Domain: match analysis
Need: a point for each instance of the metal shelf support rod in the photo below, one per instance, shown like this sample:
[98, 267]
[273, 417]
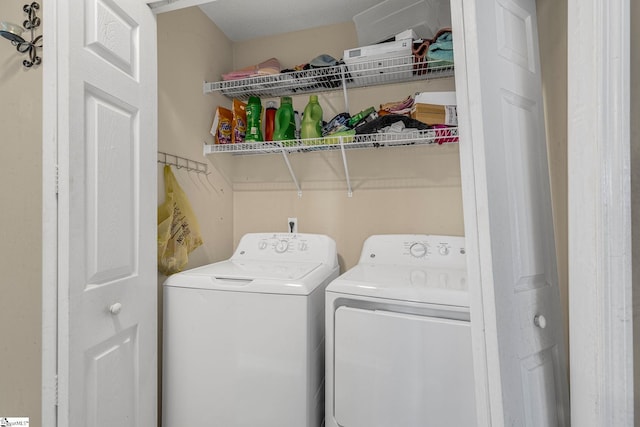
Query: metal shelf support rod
[293, 175]
[343, 68]
[346, 167]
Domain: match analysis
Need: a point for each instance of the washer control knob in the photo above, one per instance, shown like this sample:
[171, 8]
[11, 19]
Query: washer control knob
[302, 246]
[418, 250]
[262, 245]
[444, 250]
[282, 246]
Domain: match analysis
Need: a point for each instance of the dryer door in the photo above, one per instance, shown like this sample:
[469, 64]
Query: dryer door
[395, 369]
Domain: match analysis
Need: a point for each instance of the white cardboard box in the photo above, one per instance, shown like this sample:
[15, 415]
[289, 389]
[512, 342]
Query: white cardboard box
[370, 62]
[437, 98]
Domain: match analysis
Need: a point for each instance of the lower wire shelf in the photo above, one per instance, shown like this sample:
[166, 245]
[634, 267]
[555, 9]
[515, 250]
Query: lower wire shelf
[346, 142]
[437, 136]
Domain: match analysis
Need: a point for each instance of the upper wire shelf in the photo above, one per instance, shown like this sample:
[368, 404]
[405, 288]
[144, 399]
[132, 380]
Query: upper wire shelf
[417, 137]
[360, 74]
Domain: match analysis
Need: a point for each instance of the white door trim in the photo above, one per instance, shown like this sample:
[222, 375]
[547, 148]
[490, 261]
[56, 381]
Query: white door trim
[49, 216]
[600, 304]
[479, 332]
[161, 6]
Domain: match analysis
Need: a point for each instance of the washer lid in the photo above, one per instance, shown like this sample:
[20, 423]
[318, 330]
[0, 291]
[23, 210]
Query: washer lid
[299, 278]
[405, 283]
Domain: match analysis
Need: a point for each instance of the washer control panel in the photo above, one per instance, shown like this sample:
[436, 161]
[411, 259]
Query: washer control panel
[415, 249]
[287, 247]
[285, 243]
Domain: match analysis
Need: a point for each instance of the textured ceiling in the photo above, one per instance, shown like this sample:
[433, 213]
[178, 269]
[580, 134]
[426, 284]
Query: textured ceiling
[248, 19]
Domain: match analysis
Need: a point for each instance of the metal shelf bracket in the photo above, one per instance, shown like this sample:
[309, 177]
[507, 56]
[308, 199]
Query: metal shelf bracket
[346, 167]
[293, 175]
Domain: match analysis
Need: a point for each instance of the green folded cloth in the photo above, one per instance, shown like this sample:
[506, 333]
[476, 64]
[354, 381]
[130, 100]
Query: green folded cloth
[441, 50]
[334, 138]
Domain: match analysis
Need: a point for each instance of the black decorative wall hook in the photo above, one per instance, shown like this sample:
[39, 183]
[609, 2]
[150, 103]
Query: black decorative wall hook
[13, 33]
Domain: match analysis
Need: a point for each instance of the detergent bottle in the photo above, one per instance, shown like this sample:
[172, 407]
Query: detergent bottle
[285, 126]
[254, 113]
[311, 126]
[269, 120]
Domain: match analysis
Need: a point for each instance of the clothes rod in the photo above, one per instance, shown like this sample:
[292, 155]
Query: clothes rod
[183, 163]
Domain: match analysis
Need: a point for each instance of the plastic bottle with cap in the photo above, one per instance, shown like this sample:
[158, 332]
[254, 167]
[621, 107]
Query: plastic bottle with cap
[269, 120]
[285, 125]
[311, 126]
[254, 112]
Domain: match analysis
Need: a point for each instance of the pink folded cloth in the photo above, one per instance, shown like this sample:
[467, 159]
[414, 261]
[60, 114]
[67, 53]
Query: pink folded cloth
[399, 107]
[270, 66]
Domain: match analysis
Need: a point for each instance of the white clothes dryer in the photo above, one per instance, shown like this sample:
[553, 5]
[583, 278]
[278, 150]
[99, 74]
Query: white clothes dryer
[399, 338]
[244, 338]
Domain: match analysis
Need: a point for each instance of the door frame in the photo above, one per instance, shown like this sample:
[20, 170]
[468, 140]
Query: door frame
[49, 216]
[599, 217]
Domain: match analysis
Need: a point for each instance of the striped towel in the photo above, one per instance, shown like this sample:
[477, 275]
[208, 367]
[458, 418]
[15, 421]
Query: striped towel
[270, 66]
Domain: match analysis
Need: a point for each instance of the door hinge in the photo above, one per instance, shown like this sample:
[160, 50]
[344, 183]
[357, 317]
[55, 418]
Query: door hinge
[56, 389]
[57, 178]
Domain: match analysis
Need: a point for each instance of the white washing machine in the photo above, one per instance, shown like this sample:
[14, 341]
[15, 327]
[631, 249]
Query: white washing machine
[244, 338]
[398, 336]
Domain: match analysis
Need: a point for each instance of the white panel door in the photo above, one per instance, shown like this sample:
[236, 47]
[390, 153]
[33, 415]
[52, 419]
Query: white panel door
[517, 328]
[107, 126]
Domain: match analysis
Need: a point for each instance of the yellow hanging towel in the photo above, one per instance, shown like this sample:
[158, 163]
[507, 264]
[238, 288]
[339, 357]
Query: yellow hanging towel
[178, 230]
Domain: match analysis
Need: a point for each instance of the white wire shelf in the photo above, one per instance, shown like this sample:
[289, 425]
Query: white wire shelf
[353, 75]
[342, 143]
[417, 137]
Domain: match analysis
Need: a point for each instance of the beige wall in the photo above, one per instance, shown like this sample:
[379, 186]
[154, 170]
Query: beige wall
[426, 196]
[397, 190]
[192, 50]
[20, 216]
[552, 31]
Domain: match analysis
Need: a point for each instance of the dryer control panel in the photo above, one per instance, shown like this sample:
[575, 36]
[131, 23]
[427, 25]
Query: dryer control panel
[296, 247]
[415, 249]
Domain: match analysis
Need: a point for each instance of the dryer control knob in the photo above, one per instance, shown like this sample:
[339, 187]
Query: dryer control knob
[418, 250]
[262, 245]
[282, 246]
[443, 250]
[302, 246]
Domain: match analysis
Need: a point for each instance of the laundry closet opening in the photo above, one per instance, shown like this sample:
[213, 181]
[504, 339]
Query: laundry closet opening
[412, 189]
[395, 190]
